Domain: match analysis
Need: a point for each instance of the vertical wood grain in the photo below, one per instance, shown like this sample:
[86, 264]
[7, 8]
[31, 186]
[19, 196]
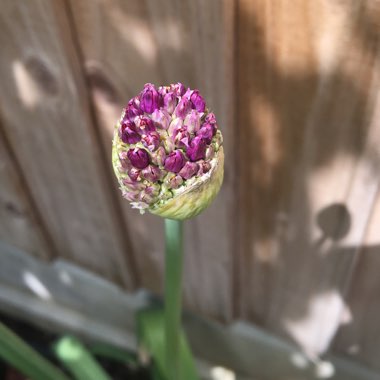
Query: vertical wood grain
[359, 333]
[19, 224]
[47, 121]
[126, 44]
[307, 90]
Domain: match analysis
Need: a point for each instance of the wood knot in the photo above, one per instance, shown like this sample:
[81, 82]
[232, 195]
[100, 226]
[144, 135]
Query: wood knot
[42, 75]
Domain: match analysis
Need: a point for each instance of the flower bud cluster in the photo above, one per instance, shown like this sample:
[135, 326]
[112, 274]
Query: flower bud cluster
[165, 141]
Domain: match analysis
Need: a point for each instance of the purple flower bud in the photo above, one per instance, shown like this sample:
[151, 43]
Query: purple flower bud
[149, 194]
[161, 118]
[182, 138]
[197, 149]
[210, 118]
[149, 98]
[151, 141]
[133, 174]
[131, 196]
[151, 173]
[174, 127]
[128, 133]
[139, 158]
[124, 161]
[192, 121]
[145, 125]
[163, 90]
[170, 102]
[207, 132]
[169, 145]
[175, 161]
[189, 170]
[204, 167]
[159, 156]
[197, 101]
[133, 109]
[182, 108]
[178, 89]
[133, 185]
[176, 182]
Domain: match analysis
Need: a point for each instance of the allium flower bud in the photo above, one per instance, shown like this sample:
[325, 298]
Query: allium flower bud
[192, 121]
[133, 109]
[167, 152]
[175, 161]
[206, 132]
[182, 138]
[178, 89]
[183, 107]
[128, 133]
[175, 126]
[170, 102]
[149, 98]
[197, 149]
[197, 101]
[189, 170]
[176, 182]
[162, 118]
[124, 160]
[151, 173]
[159, 156]
[210, 118]
[133, 174]
[139, 158]
[145, 125]
[151, 141]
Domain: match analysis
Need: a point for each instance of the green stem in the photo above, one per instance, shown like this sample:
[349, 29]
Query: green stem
[173, 277]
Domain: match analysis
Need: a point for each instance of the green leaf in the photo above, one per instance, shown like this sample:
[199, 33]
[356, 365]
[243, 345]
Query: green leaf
[115, 353]
[151, 333]
[78, 360]
[23, 357]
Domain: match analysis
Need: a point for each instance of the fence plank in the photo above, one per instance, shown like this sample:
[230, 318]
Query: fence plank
[307, 90]
[359, 335]
[47, 121]
[18, 222]
[167, 42]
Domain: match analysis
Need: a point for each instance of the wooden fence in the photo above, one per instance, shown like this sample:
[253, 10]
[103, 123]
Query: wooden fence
[292, 243]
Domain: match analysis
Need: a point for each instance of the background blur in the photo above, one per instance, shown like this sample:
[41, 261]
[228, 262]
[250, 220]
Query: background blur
[292, 243]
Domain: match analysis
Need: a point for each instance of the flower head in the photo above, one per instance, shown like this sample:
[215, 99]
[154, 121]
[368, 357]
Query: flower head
[167, 152]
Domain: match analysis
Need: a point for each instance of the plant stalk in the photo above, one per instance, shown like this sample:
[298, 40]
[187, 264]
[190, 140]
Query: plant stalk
[173, 289]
